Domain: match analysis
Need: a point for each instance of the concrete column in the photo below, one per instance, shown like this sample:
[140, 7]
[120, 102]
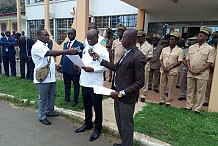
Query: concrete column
[9, 25]
[214, 94]
[18, 17]
[46, 16]
[81, 19]
[141, 19]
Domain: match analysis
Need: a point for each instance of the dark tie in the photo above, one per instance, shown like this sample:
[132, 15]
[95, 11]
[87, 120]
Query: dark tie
[68, 46]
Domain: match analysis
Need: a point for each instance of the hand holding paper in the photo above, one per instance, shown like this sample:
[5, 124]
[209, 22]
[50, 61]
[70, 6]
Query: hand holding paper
[102, 90]
[76, 60]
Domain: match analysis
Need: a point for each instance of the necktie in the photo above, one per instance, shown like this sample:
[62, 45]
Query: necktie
[123, 56]
[68, 46]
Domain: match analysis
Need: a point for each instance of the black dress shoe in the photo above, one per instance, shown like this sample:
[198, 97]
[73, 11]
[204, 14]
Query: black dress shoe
[142, 99]
[149, 88]
[197, 112]
[187, 109]
[54, 114]
[168, 105]
[95, 135]
[74, 104]
[156, 90]
[117, 144]
[83, 128]
[181, 98]
[205, 104]
[45, 121]
[161, 103]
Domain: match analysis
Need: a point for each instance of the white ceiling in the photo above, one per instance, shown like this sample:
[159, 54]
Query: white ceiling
[169, 5]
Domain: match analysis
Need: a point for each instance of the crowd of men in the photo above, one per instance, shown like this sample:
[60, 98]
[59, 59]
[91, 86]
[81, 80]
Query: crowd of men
[137, 63]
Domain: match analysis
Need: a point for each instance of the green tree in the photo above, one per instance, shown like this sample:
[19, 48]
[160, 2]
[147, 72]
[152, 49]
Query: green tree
[10, 6]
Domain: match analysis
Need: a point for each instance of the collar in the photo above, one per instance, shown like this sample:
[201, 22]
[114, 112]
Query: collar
[72, 41]
[40, 42]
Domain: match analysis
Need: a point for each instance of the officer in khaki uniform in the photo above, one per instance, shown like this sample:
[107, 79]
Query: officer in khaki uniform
[199, 58]
[147, 50]
[171, 57]
[117, 48]
[155, 64]
[109, 41]
[209, 83]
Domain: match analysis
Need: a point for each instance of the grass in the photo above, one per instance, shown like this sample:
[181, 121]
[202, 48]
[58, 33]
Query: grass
[177, 126]
[171, 125]
[25, 89]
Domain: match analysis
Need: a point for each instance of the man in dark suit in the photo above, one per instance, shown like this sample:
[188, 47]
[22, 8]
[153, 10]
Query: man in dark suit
[69, 72]
[8, 53]
[25, 44]
[127, 80]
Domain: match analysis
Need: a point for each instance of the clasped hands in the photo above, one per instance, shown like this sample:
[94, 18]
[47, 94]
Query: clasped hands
[195, 72]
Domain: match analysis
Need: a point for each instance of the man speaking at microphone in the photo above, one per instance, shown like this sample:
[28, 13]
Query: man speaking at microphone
[92, 74]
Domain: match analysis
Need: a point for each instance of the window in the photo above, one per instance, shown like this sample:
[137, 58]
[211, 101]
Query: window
[34, 25]
[14, 26]
[62, 26]
[112, 21]
[3, 26]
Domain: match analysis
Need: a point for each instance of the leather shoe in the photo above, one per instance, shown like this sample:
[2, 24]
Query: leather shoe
[142, 99]
[117, 144]
[45, 121]
[205, 104]
[161, 103]
[95, 135]
[83, 128]
[181, 98]
[54, 114]
[156, 90]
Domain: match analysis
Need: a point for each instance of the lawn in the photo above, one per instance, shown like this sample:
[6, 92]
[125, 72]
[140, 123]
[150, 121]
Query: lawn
[177, 126]
[171, 125]
[25, 89]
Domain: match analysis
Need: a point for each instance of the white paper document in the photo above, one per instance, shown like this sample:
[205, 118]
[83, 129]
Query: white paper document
[102, 90]
[76, 60]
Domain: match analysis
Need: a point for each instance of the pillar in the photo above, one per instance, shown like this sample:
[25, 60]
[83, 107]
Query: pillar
[214, 94]
[141, 19]
[9, 25]
[18, 16]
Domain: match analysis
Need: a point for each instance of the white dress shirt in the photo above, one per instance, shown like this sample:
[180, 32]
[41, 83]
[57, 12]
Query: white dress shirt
[38, 52]
[89, 79]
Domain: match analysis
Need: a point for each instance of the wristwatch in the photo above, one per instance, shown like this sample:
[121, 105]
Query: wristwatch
[119, 95]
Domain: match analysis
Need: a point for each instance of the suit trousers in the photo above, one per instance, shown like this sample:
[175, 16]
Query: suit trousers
[67, 84]
[46, 100]
[91, 99]
[125, 122]
[171, 81]
[154, 74]
[209, 84]
[31, 69]
[23, 61]
[196, 89]
[144, 90]
[183, 76]
[6, 61]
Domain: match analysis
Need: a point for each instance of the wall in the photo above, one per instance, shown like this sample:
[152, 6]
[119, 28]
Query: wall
[58, 9]
[110, 7]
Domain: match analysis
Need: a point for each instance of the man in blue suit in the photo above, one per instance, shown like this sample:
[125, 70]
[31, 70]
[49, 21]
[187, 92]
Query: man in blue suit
[69, 72]
[8, 53]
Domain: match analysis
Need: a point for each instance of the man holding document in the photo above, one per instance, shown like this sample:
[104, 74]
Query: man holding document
[127, 80]
[92, 75]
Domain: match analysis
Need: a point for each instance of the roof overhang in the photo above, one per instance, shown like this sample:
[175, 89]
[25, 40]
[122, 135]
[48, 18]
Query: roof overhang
[173, 5]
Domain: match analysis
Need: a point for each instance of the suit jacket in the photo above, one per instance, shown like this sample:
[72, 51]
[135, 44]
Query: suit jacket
[129, 75]
[67, 65]
[25, 47]
[155, 61]
[8, 45]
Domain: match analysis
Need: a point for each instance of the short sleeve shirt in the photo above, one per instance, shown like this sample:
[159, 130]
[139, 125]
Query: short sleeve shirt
[118, 49]
[38, 52]
[147, 50]
[170, 57]
[199, 57]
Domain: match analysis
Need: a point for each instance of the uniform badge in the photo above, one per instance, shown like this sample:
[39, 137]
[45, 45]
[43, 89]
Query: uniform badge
[103, 42]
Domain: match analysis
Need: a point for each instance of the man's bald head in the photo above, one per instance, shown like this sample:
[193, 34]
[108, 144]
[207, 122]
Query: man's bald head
[129, 38]
[92, 37]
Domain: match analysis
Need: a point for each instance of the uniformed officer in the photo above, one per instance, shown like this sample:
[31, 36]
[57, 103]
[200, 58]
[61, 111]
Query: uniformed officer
[109, 41]
[117, 48]
[199, 58]
[147, 50]
[155, 64]
[209, 83]
[171, 57]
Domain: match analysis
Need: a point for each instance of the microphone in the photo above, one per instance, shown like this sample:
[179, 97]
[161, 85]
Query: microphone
[92, 53]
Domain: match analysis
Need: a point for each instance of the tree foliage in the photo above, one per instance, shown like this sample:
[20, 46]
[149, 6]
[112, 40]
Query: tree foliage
[10, 6]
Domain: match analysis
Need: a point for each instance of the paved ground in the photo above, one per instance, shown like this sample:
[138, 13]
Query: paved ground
[20, 127]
